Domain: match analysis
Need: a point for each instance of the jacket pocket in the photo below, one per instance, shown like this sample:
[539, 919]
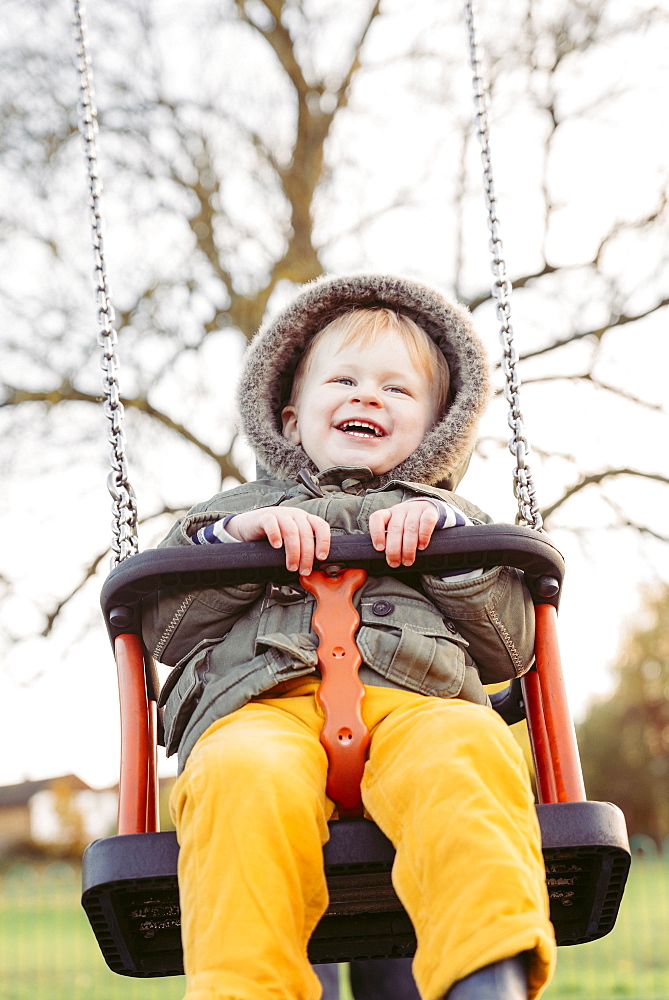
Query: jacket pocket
[299, 650]
[420, 653]
[178, 669]
[284, 634]
[180, 695]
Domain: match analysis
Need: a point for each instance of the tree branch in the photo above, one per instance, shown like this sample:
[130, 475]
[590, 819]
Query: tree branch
[598, 477]
[520, 282]
[616, 321]
[91, 570]
[345, 86]
[279, 38]
[626, 226]
[66, 393]
[626, 522]
[589, 377]
[301, 177]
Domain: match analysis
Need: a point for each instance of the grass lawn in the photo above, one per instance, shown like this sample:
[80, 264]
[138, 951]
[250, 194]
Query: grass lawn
[633, 960]
[47, 950]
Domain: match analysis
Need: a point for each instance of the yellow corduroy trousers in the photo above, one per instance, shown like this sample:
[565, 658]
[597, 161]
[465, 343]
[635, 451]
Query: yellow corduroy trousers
[445, 781]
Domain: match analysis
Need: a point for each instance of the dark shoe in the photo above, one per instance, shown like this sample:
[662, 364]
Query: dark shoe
[383, 979]
[505, 980]
[372, 979]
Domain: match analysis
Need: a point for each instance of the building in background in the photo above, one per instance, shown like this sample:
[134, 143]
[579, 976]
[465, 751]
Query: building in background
[60, 814]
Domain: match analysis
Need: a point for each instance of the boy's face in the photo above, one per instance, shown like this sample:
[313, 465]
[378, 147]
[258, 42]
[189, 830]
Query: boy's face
[364, 404]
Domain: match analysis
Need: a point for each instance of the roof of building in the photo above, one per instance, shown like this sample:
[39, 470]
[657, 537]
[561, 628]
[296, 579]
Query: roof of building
[21, 794]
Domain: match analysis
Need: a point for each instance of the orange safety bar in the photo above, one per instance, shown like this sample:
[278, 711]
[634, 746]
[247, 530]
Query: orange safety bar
[536, 724]
[137, 805]
[344, 735]
[340, 693]
[152, 816]
[551, 728]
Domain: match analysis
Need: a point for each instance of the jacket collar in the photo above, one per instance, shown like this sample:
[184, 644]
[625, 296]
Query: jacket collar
[347, 478]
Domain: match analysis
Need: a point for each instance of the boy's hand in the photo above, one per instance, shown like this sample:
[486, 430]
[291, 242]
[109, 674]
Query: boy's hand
[402, 530]
[304, 536]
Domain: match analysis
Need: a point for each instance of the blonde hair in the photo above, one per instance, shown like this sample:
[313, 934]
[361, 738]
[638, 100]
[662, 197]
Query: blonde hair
[366, 326]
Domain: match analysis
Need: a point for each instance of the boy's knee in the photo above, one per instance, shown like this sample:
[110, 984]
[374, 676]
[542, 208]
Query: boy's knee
[447, 736]
[250, 758]
[477, 724]
[446, 719]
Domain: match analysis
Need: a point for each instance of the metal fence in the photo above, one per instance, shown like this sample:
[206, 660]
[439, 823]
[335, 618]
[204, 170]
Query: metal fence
[47, 951]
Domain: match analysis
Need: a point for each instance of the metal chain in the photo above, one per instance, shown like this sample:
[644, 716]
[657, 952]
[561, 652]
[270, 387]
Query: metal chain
[528, 512]
[124, 508]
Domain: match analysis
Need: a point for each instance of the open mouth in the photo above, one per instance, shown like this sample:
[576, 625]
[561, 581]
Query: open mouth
[361, 429]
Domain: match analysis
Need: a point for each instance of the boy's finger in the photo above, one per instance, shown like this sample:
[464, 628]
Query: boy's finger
[307, 547]
[270, 526]
[395, 537]
[410, 536]
[291, 541]
[428, 521]
[321, 530]
[424, 518]
[377, 528]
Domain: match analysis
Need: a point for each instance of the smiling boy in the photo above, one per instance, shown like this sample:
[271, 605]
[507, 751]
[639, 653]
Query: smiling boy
[362, 400]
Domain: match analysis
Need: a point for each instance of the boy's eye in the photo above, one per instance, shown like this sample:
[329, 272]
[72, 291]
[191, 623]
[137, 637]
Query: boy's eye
[396, 388]
[343, 380]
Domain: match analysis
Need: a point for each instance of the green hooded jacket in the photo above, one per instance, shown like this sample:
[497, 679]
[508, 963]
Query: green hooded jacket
[443, 637]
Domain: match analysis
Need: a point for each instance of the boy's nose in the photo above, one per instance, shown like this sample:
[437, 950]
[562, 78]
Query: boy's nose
[369, 397]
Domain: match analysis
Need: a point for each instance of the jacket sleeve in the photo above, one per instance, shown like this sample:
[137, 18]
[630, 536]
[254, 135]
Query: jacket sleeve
[494, 613]
[174, 620]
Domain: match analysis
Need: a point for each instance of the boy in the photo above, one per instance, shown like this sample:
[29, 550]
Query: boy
[361, 400]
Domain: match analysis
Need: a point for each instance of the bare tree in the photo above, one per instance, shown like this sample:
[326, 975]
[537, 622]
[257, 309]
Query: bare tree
[253, 144]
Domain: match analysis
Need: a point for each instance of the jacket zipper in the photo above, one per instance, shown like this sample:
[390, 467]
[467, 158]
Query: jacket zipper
[172, 627]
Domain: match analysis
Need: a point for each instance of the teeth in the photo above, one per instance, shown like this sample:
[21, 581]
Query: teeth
[360, 423]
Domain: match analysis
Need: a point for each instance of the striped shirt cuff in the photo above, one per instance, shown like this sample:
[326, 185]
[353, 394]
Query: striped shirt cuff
[449, 516]
[214, 534]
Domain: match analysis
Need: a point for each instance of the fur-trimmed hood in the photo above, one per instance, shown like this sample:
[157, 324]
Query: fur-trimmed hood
[275, 351]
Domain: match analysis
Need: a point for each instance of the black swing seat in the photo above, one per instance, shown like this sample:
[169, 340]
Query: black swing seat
[130, 890]
[131, 896]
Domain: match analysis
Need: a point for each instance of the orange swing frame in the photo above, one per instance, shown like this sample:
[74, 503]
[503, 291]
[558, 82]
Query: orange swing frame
[550, 726]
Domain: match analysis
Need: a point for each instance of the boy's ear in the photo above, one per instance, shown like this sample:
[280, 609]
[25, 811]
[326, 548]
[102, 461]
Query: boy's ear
[289, 423]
